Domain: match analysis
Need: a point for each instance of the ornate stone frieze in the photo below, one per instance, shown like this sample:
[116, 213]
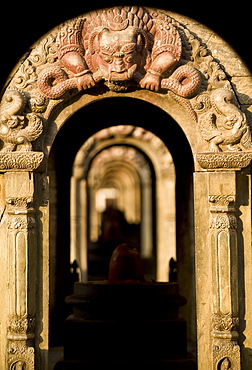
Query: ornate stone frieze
[21, 354]
[21, 160]
[123, 48]
[149, 47]
[225, 128]
[120, 46]
[225, 160]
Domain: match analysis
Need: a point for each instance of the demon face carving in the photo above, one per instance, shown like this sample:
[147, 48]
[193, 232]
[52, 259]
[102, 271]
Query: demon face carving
[119, 45]
[119, 54]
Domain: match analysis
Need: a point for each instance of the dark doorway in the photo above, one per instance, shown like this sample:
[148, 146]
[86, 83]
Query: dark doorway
[82, 125]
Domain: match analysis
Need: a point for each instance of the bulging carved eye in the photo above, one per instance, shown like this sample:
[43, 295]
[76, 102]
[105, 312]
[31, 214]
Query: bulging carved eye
[129, 58]
[107, 59]
[106, 53]
[128, 48]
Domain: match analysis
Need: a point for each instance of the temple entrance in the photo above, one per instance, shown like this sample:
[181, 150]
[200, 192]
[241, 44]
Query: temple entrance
[90, 117]
[136, 177]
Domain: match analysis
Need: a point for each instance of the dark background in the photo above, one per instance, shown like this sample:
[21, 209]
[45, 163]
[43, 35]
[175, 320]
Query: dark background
[24, 22]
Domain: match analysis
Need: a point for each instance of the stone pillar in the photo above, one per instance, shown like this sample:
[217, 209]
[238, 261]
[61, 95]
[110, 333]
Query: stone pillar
[146, 223]
[218, 230]
[79, 224]
[166, 222]
[21, 260]
[224, 251]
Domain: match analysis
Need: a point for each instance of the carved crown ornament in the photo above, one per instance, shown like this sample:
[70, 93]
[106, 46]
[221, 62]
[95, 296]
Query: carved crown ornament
[122, 49]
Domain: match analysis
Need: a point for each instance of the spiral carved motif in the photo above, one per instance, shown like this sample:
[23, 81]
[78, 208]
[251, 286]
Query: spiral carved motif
[54, 82]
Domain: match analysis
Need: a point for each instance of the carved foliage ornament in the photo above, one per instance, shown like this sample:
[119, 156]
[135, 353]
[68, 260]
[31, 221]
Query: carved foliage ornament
[225, 322]
[21, 324]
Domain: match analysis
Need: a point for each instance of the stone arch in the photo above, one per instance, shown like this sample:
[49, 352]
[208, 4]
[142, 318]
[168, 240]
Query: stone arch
[164, 169]
[117, 169]
[215, 120]
[143, 113]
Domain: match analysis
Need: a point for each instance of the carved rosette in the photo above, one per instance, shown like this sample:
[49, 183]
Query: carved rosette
[225, 322]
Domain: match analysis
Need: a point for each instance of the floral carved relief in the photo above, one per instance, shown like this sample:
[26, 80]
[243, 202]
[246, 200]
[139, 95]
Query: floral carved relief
[22, 324]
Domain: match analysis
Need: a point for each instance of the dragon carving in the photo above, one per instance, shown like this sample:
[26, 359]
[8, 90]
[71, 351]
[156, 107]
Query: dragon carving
[120, 46]
[17, 129]
[224, 126]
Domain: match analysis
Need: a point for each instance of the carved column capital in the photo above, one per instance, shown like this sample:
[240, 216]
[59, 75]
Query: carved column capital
[28, 161]
[225, 323]
[221, 200]
[224, 160]
[21, 324]
[19, 202]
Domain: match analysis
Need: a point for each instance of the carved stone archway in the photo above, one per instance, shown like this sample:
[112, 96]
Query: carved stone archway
[164, 169]
[161, 59]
